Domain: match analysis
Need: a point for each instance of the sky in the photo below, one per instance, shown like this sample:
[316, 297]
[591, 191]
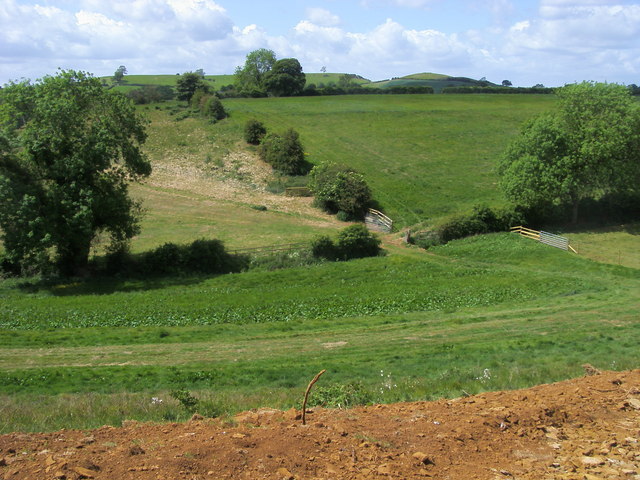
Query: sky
[528, 42]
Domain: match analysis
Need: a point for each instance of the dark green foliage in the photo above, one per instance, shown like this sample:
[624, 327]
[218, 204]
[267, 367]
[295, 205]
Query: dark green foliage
[151, 94]
[356, 241]
[119, 73]
[340, 189]
[254, 131]
[64, 174]
[201, 256]
[284, 152]
[482, 220]
[323, 247]
[285, 79]
[188, 83]
[589, 147]
[214, 110]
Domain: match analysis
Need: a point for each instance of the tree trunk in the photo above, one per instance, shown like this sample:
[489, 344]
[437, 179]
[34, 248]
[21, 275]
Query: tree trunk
[574, 212]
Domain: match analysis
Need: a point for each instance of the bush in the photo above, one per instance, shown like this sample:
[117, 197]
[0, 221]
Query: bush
[482, 220]
[214, 110]
[254, 131]
[284, 153]
[201, 256]
[323, 247]
[340, 189]
[356, 241]
[340, 396]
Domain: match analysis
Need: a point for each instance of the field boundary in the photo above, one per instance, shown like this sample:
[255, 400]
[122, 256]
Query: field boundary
[378, 221]
[287, 247]
[547, 238]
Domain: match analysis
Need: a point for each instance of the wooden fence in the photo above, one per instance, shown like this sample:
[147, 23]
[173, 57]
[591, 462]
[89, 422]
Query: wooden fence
[544, 237]
[378, 221]
[257, 251]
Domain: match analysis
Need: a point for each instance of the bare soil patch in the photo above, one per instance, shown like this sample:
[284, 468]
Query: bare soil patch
[586, 428]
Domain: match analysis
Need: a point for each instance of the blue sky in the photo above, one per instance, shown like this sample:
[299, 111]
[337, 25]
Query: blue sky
[552, 42]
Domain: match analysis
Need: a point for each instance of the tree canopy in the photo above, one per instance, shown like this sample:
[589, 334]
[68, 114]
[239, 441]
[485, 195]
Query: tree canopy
[68, 149]
[188, 83]
[285, 78]
[249, 79]
[588, 147]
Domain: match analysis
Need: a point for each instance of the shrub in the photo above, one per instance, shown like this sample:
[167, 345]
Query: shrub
[214, 110]
[284, 153]
[323, 247]
[340, 189]
[254, 131]
[356, 241]
[340, 396]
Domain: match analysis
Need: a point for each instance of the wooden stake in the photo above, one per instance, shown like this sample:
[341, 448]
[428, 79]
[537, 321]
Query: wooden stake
[306, 395]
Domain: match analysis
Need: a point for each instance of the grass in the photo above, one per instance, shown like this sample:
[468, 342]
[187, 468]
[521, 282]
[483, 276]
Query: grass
[539, 314]
[424, 156]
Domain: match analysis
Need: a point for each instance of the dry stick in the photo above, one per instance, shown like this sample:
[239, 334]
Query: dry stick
[306, 395]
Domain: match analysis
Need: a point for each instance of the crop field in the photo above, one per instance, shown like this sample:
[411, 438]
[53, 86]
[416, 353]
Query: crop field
[484, 313]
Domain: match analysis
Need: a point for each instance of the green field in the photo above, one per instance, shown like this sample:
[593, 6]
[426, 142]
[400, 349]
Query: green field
[484, 313]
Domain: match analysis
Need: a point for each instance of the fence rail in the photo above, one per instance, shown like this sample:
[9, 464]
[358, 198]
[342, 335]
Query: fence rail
[287, 247]
[544, 237]
[378, 221]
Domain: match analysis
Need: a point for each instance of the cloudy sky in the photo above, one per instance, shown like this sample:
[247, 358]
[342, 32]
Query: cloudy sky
[552, 42]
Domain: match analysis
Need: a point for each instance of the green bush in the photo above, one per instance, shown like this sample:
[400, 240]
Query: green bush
[323, 247]
[340, 189]
[284, 153]
[214, 110]
[356, 241]
[254, 131]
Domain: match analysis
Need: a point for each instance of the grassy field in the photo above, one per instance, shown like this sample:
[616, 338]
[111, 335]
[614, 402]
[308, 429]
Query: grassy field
[425, 156]
[483, 313]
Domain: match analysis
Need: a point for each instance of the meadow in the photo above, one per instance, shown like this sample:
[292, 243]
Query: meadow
[483, 313]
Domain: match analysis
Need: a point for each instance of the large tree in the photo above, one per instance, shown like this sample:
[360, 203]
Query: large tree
[588, 147]
[249, 79]
[188, 83]
[285, 78]
[68, 150]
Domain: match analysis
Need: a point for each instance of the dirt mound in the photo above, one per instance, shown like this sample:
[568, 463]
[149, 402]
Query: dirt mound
[587, 428]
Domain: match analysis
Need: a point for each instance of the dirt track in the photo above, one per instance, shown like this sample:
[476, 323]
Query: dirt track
[587, 428]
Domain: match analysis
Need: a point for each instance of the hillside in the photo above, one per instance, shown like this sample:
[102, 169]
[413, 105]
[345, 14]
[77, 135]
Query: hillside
[583, 428]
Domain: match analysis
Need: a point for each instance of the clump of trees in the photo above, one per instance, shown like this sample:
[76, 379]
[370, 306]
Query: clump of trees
[586, 149]
[68, 151]
[339, 189]
[262, 75]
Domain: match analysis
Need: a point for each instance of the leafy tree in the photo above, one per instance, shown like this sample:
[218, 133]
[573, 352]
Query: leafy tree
[340, 189]
[119, 73]
[249, 79]
[284, 153]
[506, 83]
[285, 78]
[188, 83]
[64, 174]
[587, 148]
[356, 241]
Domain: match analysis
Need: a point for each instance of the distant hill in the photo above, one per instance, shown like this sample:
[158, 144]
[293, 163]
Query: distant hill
[437, 81]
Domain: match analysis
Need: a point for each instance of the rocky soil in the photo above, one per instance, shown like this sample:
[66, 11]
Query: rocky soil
[586, 428]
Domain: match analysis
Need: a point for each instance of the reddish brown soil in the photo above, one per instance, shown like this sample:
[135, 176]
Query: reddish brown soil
[587, 428]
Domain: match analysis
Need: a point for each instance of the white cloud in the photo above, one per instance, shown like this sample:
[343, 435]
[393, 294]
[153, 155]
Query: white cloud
[322, 17]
